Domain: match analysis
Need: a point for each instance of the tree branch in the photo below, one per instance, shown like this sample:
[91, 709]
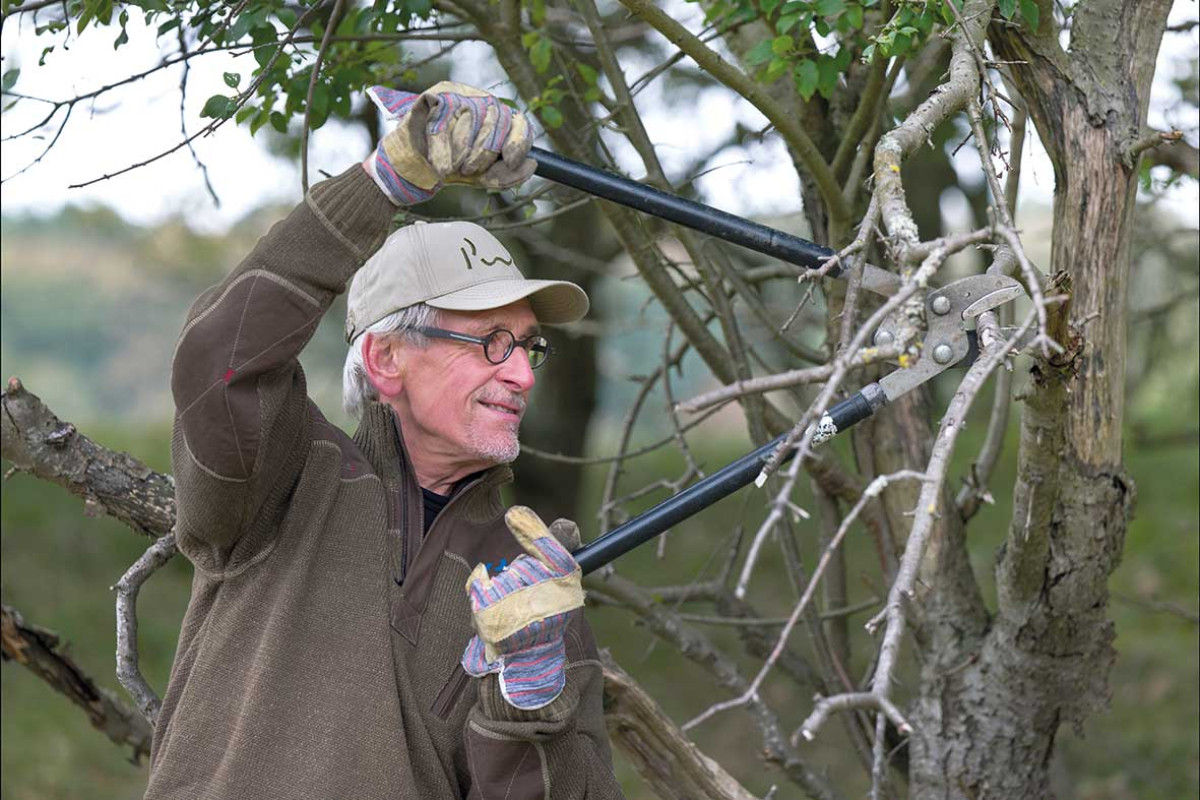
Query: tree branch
[788, 127]
[674, 768]
[38, 442]
[43, 653]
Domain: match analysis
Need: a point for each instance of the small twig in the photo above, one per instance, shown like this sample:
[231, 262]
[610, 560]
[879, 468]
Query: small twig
[183, 81]
[1149, 142]
[1159, 606]
[826, 706]
[775, 622]
[334, 18]
[783, 380]
[751, 692]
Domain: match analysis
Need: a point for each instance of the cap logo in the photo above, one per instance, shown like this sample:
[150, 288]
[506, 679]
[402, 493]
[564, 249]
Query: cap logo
[487, 262]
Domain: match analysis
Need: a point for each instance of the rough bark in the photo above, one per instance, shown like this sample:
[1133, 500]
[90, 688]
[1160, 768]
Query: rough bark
[43, 653]
[987, 726]
[671, 765]
[38, 442]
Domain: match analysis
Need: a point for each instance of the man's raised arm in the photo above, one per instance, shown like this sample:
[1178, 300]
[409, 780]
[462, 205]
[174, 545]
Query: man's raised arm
[242, 417]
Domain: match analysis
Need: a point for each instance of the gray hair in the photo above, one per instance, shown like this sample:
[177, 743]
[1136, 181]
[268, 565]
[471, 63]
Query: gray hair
[356, 386]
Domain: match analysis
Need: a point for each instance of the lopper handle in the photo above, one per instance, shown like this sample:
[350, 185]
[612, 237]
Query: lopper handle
[687, 213]
[717, 486]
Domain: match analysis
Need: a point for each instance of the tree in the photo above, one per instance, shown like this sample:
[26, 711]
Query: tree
[993, 684]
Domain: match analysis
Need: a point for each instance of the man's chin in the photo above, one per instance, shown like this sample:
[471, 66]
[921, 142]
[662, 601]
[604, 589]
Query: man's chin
[498, 450]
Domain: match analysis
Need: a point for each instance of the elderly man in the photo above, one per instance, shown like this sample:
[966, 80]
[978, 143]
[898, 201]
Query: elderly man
[366, 621]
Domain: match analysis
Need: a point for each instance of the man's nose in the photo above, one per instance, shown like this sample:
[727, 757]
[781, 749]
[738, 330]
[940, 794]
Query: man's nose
[516, 373]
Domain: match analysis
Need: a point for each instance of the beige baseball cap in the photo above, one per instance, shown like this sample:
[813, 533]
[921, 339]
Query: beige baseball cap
[457, 266]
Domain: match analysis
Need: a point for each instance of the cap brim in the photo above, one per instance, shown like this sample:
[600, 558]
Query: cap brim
[553, 302]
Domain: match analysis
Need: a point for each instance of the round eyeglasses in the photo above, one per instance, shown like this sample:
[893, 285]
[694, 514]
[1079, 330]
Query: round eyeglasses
[497, 345]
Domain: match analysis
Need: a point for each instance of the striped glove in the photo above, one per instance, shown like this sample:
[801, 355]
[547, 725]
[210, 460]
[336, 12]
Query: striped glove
[451, 133]
[522, 613]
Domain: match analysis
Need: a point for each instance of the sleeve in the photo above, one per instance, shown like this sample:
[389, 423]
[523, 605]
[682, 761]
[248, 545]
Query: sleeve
[241, 408]
[559, 752]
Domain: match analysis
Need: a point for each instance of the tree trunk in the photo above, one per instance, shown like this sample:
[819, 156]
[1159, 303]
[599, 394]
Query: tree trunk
[986, 726]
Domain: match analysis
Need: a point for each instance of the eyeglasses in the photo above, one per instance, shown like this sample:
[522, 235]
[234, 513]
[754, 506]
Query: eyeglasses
[497, 345]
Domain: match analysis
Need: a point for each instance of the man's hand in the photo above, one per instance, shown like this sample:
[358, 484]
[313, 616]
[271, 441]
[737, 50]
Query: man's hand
[451, 133]
[521, 614]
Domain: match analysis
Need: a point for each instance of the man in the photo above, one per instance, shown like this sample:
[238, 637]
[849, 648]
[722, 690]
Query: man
[329, 649]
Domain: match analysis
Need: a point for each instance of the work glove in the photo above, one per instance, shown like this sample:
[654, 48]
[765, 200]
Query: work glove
[451, 133]
[522, 613]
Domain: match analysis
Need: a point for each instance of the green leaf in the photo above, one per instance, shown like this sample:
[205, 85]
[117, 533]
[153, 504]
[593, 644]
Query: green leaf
[287, 17]
[769, 6]
[260, 119]
[854, 16]
[263, 36]
[782, 45]
[829, 8]
[121, 39]
[759, 54]
[219, 107]
[901, 44]
[806, 76]
[168, 26]
[552, 116]
[787, 22]
[828, 72]
[776, 68]
[232, 79]
[540, 55]
[10, 78]
[244, 113]
[843, 57]
[279, 122]
[1029, 10]
[586, 72]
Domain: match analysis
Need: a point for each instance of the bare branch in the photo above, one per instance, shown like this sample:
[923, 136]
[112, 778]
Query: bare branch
[43, 653]
[128, 672]
[666, 759]
[335, 17]
[38, 442]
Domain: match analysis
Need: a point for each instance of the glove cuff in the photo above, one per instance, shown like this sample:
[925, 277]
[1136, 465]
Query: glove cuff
[400, 191]
[528, 680]
[533, 678]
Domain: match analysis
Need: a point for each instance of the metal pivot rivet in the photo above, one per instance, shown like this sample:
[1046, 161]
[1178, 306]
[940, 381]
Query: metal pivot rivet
[941, 304]
[943, 353]
[883, 338]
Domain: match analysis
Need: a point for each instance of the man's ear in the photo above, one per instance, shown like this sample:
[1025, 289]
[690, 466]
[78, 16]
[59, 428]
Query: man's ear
[383, 358]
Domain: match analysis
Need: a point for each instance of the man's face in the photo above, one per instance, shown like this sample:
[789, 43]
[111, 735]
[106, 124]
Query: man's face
[458, 411]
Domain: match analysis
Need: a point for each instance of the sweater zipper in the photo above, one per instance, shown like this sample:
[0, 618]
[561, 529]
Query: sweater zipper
[403, 538]
[448, 697]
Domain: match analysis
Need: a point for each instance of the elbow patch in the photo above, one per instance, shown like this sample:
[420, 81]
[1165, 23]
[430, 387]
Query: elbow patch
[258, 324]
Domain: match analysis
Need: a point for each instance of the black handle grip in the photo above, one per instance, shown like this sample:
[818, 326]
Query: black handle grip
[651, 523]
[687, 213]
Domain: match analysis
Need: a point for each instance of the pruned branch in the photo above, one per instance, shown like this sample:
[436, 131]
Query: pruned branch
[43, 653]
[38, 442]
[662, 754]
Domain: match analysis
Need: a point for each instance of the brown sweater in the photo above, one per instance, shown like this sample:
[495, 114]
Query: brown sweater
[319, 657]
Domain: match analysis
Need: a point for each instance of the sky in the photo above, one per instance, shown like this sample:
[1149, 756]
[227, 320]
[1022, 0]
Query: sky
[142, 119]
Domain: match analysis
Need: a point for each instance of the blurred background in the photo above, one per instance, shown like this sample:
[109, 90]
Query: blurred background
[96, 283]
